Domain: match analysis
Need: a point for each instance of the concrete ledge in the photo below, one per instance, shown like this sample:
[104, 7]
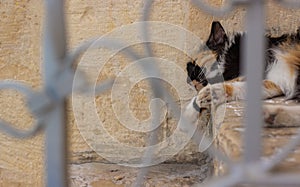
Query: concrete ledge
[230, 133]
[112, 175]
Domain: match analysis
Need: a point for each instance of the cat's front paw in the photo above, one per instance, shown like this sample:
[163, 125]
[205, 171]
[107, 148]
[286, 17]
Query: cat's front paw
[204, 97]
[219, 95]
[212, 94]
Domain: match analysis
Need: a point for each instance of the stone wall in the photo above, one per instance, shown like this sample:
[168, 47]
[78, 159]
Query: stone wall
[21, 161]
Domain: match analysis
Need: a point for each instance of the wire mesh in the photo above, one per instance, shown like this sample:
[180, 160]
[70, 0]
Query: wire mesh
[48, 105]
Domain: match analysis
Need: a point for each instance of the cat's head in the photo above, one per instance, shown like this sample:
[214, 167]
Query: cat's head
[196, 75]
[202, 68]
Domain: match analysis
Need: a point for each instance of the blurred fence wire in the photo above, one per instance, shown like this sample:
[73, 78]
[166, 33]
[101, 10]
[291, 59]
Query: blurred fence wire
[48, 105]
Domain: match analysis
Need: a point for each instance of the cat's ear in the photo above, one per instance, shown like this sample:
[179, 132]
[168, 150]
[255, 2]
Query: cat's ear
[217, 38]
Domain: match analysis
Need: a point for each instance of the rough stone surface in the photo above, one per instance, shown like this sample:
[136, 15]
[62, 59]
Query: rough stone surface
[109, 175]
[21, 161]
[229, 139]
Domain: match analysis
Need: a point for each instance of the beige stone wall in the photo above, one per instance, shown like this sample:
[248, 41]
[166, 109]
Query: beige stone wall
[21, 161]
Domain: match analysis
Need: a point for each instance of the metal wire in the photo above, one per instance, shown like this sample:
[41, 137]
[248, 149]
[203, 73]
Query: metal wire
[56, 128]
[253, 64]
[158, 92]
[48, 105]
[293, 4]
[282, 153]
[7, 127]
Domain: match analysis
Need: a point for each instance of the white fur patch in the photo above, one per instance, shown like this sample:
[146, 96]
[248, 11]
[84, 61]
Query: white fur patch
[219, 95]
[280, 74]
[212, 74]
[239, 90]
[190, 114]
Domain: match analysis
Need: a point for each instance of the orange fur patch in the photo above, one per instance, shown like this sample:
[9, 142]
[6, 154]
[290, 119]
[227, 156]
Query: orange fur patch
[197, 85]
[292, 58]
[269, 85]
[228, 89]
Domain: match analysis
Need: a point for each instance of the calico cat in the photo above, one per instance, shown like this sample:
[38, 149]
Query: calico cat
[217, 70]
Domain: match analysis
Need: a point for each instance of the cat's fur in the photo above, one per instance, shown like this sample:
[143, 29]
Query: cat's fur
[220, 67]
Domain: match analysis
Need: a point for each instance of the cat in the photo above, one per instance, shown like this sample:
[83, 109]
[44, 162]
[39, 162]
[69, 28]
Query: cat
[216, 72]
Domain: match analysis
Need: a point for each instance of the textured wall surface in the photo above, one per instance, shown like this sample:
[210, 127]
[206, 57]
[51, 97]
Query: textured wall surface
[21, 161]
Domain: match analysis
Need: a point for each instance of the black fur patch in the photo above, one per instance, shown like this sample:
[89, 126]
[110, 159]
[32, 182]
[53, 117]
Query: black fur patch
[195, 72]
[229, 54]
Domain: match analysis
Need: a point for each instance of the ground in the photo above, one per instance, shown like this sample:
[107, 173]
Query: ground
[112, 175]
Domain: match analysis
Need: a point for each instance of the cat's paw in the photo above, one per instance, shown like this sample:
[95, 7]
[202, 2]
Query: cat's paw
[204, 97]
[270, 113]
[212, 94]
[279, 115]
[219, 95]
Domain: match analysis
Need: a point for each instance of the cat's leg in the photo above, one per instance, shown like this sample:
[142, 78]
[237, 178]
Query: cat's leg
[225, 92]
[233, 90]
[220, 91]
[282, 115]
